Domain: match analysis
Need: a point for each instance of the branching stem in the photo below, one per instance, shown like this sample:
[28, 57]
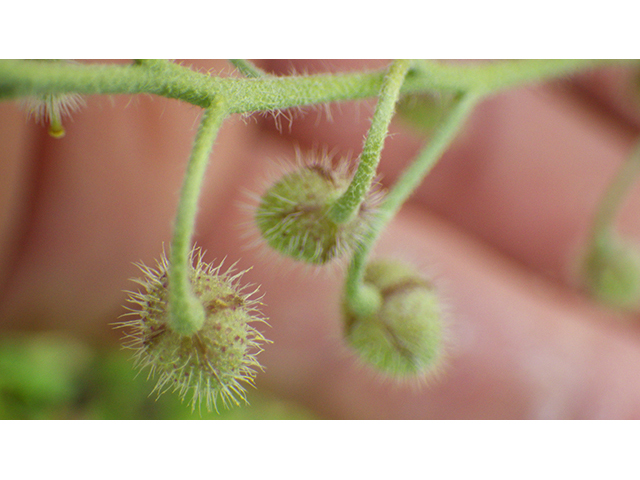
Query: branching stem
[224, 96]
[19, 78]
[358, 299]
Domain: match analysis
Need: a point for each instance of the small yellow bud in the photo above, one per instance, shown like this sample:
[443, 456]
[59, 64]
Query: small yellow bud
[50, 108]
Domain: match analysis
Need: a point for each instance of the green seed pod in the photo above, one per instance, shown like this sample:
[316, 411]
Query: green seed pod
[611, 272]
[214, 361]
[424, 112]
[404, 337]
[293, 213]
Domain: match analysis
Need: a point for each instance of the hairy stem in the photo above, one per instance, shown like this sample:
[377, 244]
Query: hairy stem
[20, 78]
[356, 298]
[187, 314]
[347, 205]
[492, 77]
[248, 69]
[427, 158]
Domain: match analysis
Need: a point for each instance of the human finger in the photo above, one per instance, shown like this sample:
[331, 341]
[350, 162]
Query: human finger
[525, 175]
[94, 202]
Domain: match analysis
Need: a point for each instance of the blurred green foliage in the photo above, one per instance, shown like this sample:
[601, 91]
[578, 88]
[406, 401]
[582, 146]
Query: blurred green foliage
[50, 376]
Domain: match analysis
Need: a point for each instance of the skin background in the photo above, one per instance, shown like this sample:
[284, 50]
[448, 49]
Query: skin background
[497, 223]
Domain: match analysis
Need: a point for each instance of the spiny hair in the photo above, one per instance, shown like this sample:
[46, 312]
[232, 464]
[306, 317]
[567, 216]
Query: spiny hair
[218, 360]
[292, 214]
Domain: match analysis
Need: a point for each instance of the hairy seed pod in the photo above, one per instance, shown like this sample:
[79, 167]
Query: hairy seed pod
[611, 272]
[293, 213]
[215, 361]
[403, 338]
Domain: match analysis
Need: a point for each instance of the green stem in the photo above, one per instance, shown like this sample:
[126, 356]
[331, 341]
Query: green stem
[614, 196]
[357, 298]
[248, 69]
[427, 158]
[347, 205]
[187, 313]
[492, 77]
[20, 78]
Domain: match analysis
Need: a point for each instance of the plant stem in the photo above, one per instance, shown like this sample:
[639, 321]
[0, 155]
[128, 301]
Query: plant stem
[187, 313]
[347, 205]
[248, 69]
[20, 78]
[614, 196]
[427, 158]
[492, 77]
[357, 298]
